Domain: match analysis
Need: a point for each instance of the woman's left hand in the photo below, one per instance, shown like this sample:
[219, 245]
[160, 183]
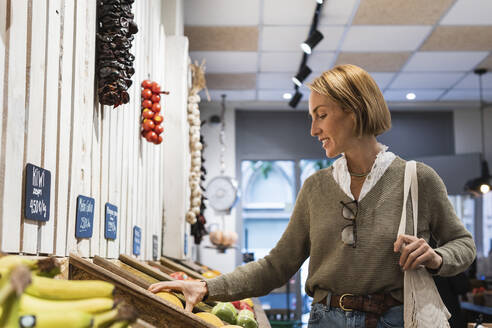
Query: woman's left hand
[416, 251]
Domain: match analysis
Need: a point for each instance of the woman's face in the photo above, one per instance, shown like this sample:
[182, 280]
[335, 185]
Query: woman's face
[333, 126]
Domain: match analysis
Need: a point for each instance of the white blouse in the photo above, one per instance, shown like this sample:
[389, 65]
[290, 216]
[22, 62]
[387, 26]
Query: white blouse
[342, 176]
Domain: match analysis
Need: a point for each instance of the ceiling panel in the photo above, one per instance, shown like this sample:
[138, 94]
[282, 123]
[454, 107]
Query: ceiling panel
[457, 38]
[277, 95]
[232, 95]
[227, 61]
[280, 61]
[387, 38]
[382, 79]
[421, 95]
[426, 80]
[275, 80]
[471, 82]
[487, 63]
[245, 81]
[321, 61]
[375, 61]
[295, 12]
[222, 38]
[444, 61]
[289, 38]
[221, 12]
[400, 12]
[469, 12]
[467, 94]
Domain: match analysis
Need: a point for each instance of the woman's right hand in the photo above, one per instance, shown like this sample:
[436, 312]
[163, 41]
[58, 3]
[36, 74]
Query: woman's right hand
[193, 291]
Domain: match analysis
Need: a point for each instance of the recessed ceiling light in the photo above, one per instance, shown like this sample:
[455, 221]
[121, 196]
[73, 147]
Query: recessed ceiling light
[411, 96]
[287, 96]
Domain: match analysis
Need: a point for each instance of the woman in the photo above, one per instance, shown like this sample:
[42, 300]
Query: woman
[346, 218]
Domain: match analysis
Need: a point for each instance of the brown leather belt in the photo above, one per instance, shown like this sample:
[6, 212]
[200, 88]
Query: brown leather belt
[373, 305]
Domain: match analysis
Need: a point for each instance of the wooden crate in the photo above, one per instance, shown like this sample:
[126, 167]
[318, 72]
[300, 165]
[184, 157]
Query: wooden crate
[150, 308]
[169, 263]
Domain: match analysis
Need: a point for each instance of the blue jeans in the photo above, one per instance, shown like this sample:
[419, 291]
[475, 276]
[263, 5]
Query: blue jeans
[326, 316]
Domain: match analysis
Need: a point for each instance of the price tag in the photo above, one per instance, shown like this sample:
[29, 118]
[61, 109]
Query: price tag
[155, 247]
[186, 244]
[111, 222]
[38, 187]
[85, 217]
[137, 239]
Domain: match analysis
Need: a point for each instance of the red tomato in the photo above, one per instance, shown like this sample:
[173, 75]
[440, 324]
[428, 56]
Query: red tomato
[156, 88]
[151, 136]
[156, 98]
[158, 140]
[146, 84]
[147, 103]
[158, 129]
[148, 124]
[158, 119]
[156, 107]
[147, 113]
[146, 93]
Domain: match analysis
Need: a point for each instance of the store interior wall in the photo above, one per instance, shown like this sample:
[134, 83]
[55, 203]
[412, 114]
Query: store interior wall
[51, 118]
[455, 133]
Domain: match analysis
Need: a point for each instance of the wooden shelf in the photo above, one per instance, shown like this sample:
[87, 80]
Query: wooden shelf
[149, 307]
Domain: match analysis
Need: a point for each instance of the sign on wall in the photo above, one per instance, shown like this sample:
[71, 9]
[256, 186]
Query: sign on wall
[38, 186]
[85, 217]
[155, 247]
[111, 222]
[137, 239]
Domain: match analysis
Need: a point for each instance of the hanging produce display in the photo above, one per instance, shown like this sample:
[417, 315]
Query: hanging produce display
[114, 62]
[196, 209]
[151, 111]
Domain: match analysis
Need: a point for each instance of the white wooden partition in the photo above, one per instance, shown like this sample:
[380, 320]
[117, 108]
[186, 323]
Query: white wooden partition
[51, 118]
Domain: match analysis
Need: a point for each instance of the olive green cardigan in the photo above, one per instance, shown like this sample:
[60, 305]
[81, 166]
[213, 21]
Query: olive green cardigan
[314, 231]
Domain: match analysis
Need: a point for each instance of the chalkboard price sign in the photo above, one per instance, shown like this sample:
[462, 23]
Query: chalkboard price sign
[85, 217]
[155, 247]
[137, 239]
[111, 223]
[38, 186]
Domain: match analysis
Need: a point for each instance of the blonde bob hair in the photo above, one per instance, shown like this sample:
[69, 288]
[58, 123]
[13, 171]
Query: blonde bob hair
[354, 90]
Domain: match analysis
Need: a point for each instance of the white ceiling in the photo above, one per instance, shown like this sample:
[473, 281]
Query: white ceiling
[283, 24]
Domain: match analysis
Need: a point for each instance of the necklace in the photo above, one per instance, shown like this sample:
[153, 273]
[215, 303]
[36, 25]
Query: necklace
[359, 175]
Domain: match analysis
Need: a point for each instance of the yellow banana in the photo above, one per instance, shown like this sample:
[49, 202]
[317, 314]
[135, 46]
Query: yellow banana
[10, 261]
[10, 313]
[30, 303]
[122, 312]
[58, 319]
[119, 324]
[105, 318]
[58, 289]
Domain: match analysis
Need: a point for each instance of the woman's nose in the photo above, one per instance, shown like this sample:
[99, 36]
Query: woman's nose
[314, 130]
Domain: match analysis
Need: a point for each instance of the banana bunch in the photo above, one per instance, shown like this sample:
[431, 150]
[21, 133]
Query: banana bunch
[28, 298]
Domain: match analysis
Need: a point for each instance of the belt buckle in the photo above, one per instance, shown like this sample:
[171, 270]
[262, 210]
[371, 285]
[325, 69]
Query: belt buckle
[340, 302]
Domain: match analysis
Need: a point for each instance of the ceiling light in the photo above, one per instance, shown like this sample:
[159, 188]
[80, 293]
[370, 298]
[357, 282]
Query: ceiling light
[313, 39]
[295, 100]
[411, 96]
[287, 96]
[319, 1]
[301, 75]
[481, 185]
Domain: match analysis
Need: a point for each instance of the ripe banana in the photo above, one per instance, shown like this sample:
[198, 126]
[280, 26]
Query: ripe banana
[8, 262]
[58, 289]
[119, 324]
[52, 319]
[30, 303]
[105, 318]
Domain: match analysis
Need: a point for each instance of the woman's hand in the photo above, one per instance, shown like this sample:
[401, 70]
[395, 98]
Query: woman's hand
[415, 251]
[193, 291]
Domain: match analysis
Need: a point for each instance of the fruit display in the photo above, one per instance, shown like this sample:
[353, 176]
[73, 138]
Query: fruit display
[228, 312]
[171, 298]
[210, 318]
[114, 62]
[151, 112]
[246, 319]
[30, 297]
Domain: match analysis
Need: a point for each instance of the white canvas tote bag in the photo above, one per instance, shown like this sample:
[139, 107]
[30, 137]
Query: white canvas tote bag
[422, 304]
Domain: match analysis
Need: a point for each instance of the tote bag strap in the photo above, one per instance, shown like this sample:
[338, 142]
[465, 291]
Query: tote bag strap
[410, 185]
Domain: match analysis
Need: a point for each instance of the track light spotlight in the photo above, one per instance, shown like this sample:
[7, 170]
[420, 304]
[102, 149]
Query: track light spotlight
[295, 99]
[303, 73]
[482, 184]
[313, 39]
